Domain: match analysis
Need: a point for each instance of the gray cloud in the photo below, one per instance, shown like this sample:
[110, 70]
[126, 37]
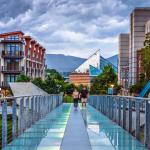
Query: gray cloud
[73, 27]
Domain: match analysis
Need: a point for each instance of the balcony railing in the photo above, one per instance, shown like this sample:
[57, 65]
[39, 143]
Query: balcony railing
[6, 69]
[4, 84]
[16, 54]
[12, 40]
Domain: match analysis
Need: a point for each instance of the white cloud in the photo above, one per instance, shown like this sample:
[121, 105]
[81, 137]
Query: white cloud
[73, 27]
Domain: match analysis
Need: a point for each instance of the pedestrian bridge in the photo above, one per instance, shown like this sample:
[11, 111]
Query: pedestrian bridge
[45, 123]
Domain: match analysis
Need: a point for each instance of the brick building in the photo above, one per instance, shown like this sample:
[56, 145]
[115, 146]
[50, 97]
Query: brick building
[80, 78]
[20, 54]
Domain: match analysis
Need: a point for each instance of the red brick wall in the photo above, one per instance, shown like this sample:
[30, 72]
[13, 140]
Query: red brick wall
[80, 78]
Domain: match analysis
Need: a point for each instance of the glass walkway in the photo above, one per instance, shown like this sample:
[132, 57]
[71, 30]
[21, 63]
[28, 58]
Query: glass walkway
[82, 130]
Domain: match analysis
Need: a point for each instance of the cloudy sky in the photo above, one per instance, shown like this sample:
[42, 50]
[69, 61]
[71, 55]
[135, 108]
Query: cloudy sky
[70, 27]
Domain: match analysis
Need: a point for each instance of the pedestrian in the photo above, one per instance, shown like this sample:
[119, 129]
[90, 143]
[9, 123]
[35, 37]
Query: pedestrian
[75, 98]
[84, 96]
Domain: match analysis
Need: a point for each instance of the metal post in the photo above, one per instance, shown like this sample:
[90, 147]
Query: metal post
[32, 109]
[4, 123]
[27, 113]
[147, 124]
[21, 116]
[36, 108]
[119, 111]
[112, 103]
[137, 130]
[115, 109]
[124, 114]
[130, 115]
[14, 119]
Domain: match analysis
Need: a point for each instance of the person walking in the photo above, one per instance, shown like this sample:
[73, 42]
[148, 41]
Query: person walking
[75, 98]
[84, 96]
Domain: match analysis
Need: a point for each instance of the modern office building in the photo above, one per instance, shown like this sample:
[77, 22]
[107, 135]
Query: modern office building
[20, 54]
[89, 69]
[123, 60]
[138, 20]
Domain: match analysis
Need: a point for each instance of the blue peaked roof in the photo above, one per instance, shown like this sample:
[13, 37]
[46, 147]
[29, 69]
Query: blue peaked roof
[94, 71]
[103, 62]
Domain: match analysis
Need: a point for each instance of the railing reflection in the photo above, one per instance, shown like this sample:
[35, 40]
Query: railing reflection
[131, 113]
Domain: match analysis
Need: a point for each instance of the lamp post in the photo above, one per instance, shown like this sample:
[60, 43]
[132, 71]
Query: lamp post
[112, 85]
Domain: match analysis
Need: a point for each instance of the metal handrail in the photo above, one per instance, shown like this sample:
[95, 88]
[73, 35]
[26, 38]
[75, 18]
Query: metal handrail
[118, 107]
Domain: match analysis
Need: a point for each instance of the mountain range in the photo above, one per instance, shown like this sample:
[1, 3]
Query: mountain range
[63, 63]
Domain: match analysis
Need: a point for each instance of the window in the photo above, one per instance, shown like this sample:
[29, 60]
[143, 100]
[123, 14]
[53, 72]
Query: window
[13, 48]
[12, 64]
[10, 78]
[13, 37]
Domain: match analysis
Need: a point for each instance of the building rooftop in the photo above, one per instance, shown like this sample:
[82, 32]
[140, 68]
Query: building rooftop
[11, 33]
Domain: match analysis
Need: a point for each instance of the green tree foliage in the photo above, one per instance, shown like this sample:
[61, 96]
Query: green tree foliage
[146, 57]
[39, 82]
[136, 88]
[69, 88]
[54, 74]
[23, 78]
[102, 82]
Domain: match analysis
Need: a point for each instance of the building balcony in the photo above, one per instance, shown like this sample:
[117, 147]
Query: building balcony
[17, 54]
[14, 70]
[12, 41]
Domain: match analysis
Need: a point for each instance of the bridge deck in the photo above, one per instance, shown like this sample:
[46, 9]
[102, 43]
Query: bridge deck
[76, 137]
[66, 129]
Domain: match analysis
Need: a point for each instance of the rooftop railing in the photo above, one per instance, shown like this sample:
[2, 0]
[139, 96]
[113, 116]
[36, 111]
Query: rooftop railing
[131, 113]
[19, 113]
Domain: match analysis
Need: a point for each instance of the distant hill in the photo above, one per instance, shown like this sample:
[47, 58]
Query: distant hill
[63, 63]
[113, 60]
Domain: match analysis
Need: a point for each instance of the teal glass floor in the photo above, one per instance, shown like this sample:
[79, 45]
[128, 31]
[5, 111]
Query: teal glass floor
[107, 135]
[46, 134]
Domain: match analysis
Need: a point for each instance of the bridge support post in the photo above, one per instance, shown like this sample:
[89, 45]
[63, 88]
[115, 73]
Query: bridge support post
[119, 111]
[21, 116]
[4, 123]
[109, 107]
[137, 129]
[27, 118]
[36, 108]
[124, 114]
[112, 103]
[32, 109]
[97, 103]
[130, 115]
[147, 124]
[14, 119]
[115, 110]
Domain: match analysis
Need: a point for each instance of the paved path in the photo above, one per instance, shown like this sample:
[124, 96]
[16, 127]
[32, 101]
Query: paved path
[76, 136]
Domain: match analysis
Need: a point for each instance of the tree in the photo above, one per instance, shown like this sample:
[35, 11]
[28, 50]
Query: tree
[136, 88]
[102, 82]
[54, 74]
[23, 78]
[51, 86]
[69, 88]
[39, 82]
[146, 57]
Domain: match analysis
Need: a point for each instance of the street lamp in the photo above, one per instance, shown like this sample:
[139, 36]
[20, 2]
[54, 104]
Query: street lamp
[112, 85]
